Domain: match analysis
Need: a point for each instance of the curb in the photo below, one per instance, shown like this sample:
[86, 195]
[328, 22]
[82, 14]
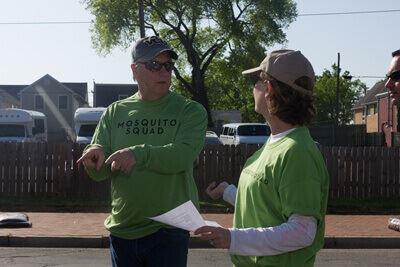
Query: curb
[194, 242]
[55, 241]
[362, 242]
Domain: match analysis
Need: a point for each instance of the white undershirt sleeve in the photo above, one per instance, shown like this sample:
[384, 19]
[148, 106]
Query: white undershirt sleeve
[230, 194]
[298, 232]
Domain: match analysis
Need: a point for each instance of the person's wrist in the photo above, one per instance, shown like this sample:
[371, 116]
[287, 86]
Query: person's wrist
[223, 186]
[231, 238]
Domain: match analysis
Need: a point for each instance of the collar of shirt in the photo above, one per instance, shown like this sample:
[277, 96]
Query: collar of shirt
[275, 137]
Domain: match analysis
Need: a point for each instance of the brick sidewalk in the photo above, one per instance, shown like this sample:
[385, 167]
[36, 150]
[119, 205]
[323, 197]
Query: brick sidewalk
[91, 224]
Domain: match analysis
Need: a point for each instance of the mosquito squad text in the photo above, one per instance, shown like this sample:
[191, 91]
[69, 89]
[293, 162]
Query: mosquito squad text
[146, 126]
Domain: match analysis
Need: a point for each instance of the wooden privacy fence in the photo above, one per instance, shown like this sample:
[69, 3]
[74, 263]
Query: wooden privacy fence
[48, 170]
[355, 172]
[346, 135]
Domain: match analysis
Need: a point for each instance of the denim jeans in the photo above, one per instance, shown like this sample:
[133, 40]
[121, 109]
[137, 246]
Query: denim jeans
[166, 247]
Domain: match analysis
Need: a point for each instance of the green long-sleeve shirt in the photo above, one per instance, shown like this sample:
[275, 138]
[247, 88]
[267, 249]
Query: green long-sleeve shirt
[165, 136]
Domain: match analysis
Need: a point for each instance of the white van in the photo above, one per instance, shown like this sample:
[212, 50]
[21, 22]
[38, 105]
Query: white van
[21, 125]
[244, 133]
[86, 120]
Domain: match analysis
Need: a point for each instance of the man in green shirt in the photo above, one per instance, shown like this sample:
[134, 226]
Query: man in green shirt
[146, 144]
[281, 199]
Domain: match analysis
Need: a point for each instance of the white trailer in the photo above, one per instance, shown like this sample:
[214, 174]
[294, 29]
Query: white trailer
[86, 120]
[21, 125]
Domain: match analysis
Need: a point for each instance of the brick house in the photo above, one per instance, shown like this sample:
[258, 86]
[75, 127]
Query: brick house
[375, 111]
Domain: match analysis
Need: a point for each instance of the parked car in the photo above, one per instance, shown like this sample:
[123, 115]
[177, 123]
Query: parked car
[212, 139]
[244, 133]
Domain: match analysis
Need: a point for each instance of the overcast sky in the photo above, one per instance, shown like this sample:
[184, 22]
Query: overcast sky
[27, 52]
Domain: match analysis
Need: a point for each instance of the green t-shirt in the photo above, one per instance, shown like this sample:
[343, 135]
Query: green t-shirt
[285, 177]
[166, 137]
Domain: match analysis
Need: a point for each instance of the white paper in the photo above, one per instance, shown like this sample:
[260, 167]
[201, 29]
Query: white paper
[185, 216]
[212, 223]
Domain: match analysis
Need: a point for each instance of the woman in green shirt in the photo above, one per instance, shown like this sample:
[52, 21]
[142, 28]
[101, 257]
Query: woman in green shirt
[280, 203]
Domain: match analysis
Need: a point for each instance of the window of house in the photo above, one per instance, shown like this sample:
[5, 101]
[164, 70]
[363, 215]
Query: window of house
[39, 102]
[122, 97]
[62, 102]
[371, 109]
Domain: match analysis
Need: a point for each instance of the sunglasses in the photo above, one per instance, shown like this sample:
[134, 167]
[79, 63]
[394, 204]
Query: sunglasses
[254, 79]
[394, 75]
[157, 66]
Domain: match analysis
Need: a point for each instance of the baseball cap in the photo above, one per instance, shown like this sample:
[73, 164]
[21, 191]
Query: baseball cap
[286, 66]
[396, 53]
[147, 48]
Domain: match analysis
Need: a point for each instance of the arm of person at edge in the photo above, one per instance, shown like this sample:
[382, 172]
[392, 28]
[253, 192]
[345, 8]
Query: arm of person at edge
[95, 154]
[179, 155]
[298, 232]
[224, 190]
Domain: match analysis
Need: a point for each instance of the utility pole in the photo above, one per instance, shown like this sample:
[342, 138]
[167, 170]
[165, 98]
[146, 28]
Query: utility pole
[141, 19]
[335, 127]
[337, 88]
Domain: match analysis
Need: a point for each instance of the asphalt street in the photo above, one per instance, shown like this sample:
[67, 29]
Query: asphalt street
[74, 257]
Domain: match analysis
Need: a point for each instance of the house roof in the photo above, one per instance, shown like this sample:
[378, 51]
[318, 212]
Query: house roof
[13, 90]
[78, 97]
[129, 88]
[370, 96]
[9, 98]
[105, 93]
[79, 89]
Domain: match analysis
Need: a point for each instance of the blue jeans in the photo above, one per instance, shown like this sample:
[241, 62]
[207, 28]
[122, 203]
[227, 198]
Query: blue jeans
[166, 247]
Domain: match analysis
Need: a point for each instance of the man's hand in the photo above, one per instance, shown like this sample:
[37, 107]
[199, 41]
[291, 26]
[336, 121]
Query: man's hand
[92, 158]
[216, 192]
[218, 237]
[122, 160]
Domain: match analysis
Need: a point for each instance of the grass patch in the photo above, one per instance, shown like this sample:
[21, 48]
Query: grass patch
[64, 204]
[54, 204]
[215, 207]
[372, 206]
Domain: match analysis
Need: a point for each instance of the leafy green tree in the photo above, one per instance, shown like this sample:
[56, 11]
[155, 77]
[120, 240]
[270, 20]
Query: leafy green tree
[200, 30]
[325, 91]
[229, 89]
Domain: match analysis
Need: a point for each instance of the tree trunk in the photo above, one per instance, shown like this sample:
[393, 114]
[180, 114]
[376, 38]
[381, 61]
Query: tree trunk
[200, 94]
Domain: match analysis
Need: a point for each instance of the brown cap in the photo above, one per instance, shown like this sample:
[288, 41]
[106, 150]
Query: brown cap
[286, 66]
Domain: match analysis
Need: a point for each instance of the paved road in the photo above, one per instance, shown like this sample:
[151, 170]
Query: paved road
[70, 257]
